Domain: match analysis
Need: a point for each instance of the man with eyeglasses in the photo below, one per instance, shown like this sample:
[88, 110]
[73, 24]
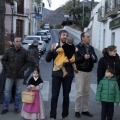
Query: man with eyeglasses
[85, 59]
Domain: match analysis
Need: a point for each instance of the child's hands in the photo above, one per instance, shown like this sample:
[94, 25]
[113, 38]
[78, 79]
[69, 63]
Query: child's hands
[32, 86]
[98, 102]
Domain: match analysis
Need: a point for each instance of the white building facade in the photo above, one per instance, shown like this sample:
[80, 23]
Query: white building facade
[105, 24]
[24, 18]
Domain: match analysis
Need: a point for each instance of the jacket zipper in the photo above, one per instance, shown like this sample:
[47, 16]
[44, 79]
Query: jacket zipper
[114, 65]
[108, 91]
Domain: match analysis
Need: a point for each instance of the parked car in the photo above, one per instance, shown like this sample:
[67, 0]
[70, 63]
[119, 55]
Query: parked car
[48, 33]
[43, 35]
[47, 25]
[29, 39]
[46, 29]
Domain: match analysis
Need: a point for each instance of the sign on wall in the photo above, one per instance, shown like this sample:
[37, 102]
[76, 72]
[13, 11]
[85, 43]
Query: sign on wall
[114, 23]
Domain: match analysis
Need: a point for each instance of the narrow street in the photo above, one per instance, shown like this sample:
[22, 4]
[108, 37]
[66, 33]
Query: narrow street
[46, 69]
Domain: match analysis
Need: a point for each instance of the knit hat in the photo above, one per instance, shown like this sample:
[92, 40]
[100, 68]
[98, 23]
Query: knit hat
[35, 41]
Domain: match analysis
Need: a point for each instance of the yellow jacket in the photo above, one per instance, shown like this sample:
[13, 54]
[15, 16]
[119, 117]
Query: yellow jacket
[61, 58]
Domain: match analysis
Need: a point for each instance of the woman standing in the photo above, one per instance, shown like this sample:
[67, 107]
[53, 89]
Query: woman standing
[110, 59]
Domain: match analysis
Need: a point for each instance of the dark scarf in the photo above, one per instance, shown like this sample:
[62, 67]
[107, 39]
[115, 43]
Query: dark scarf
[35, 83]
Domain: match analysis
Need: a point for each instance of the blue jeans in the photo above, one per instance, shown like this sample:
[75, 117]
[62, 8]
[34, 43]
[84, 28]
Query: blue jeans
[8, 90]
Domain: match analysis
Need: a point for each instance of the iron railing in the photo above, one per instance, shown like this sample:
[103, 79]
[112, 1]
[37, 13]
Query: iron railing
[101, 14]
[117, 3]
[110, 5]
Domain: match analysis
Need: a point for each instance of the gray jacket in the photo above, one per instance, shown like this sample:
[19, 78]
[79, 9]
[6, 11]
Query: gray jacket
[15, 62]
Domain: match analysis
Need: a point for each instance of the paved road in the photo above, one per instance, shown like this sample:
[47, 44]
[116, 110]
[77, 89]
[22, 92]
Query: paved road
[46, 69]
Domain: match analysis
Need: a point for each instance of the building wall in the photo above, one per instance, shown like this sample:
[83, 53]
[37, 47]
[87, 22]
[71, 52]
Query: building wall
[25, 18]
[101, 34]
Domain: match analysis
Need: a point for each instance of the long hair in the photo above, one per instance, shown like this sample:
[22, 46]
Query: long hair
[109, 48]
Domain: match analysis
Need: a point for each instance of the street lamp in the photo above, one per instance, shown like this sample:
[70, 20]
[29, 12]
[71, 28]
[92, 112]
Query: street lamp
[12, 35]
[67, 16]
[83, 13]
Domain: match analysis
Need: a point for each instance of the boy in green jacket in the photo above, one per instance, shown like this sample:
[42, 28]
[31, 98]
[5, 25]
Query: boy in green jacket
[108, 93]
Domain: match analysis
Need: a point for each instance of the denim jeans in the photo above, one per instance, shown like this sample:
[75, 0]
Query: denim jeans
[56, 85]
[8, 90]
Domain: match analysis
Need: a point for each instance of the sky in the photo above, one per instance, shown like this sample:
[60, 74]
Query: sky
[57, 3]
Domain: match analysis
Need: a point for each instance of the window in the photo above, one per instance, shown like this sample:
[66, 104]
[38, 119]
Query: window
[104, 34]
[113, 39]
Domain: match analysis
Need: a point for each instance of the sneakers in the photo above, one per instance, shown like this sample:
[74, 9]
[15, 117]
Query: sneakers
[4, 111]
[77, 114]
[87, 114]
[16, 110]
[66, 118]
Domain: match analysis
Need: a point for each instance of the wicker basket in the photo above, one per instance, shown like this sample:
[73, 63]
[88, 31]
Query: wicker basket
[28, 97]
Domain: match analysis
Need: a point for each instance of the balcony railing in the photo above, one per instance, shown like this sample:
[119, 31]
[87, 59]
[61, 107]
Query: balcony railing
[117, 4]
[110, 8]
[27, 12]
[101, 14]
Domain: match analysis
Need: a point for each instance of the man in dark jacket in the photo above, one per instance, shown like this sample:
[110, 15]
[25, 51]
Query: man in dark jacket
[15, 61]
[85, 59]
[34, 55]
[58, 79]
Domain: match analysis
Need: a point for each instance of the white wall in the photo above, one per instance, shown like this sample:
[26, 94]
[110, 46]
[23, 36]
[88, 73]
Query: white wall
[98, 28]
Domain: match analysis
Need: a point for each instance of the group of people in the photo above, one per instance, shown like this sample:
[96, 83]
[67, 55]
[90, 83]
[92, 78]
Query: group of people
[18, 65]
[67, 59]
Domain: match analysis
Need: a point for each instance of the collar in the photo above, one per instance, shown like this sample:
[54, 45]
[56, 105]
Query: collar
[35, 78]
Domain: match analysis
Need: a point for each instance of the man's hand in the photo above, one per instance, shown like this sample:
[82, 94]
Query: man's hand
[86, 56]
[53, 46]
[93, 57]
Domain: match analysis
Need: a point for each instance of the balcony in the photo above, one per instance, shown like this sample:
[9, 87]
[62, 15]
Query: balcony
[101, 14]
[117, 4]
[21, 14]
[110, 8]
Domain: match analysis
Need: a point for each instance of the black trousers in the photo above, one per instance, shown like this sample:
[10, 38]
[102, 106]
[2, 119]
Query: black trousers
[107, 110]
[56, 85]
